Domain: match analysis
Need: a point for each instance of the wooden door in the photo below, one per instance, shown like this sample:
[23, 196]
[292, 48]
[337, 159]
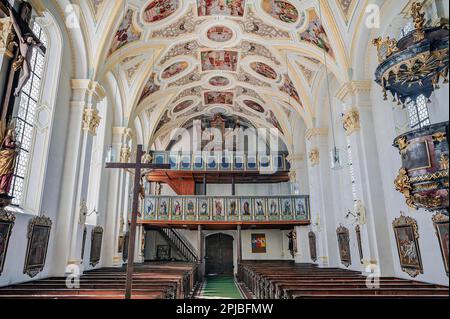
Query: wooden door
[219, 255]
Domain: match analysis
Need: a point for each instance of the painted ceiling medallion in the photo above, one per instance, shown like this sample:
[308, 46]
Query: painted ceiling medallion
[220, 34]
[254, 106]
[174, 70]
[316, 34]
[264, 70]
[281, 10]
[218, 98]
[159, 10]
[219, 60]
[219, 81]
[234, 8]
[183, 106]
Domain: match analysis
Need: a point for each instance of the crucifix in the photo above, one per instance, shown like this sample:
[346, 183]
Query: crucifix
[137, 167]
[19, 68]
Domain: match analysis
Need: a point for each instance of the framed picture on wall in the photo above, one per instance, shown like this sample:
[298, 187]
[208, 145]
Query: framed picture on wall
[96, 245]
[343, 236]
[417, 156]
[360, 247]
[204, 209]
[39, 230]
[440, 222]
[312, 246]
[190, 210]
[260, 205]
[259, 244]
[6, 225]
[246, 208]
[407, 237]
[233, 209]
[163, 252]
[218, 209]
[274, 208]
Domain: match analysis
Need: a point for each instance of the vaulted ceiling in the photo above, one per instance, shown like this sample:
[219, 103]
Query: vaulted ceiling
[172, 60]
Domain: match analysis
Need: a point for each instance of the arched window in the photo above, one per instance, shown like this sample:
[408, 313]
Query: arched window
[418, 113]
[29, 100]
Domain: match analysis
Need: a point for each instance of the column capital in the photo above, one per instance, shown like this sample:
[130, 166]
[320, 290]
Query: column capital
[351, 121]
[7, 36]
[89, 88]
[353, 88]
[313, 132]
[91, 121]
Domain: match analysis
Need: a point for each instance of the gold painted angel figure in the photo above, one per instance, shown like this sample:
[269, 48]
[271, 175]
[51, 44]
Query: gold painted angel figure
[9, 150]
[26, 45]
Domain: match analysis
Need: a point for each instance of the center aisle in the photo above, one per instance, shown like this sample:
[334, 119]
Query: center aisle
[218, 287]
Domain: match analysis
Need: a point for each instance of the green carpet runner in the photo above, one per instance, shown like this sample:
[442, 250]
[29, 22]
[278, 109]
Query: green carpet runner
[220, 288]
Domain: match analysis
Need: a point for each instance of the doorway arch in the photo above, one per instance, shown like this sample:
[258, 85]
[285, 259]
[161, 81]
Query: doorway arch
[219, 254]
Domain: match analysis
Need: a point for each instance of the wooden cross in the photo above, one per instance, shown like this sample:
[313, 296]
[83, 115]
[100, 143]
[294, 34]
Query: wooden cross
[138, 166]
[8, 97]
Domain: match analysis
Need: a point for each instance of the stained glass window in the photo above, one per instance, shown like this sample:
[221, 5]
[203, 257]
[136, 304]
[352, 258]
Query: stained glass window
[29, 99]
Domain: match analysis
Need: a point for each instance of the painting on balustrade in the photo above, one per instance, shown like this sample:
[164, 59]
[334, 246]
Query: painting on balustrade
[177, 209]
[163, 208]
[226, 162]
[301, 209]
[259, 244]
[198, 162]
[39, 230]
[407, 238]
[190, 209]
[286, 209]
[219, 61]
[440, 222]
[212, 163]
[203, 209]
[260, 209]
[274, 209]
[239, 162]
[185, 162]
[312, 246]
[233, 8]
[218, 209]
[5, 233]
[343, 237]
[252, 162]
[246, 209]
[278, 163]
[159, 10]
[233, 209]
[150, 209]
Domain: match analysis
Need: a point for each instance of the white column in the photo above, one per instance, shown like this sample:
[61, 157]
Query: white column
[321, 193]
[83, 122]
[359, 125]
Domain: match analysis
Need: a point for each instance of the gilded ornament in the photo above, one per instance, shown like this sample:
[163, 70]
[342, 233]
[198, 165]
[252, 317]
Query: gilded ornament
[385, 48]
[444, 162]
[403, 144]
[403, 184]
[439, 137]
[352, 121]
[314, 157]
[419, 21]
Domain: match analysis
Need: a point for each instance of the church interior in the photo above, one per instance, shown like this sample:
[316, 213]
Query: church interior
[224, 149]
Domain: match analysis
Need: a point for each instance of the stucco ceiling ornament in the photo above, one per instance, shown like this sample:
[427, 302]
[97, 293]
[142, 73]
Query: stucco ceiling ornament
[185, 25]
[254, 49]
[254, 25]
[250, 79]
[188, 48]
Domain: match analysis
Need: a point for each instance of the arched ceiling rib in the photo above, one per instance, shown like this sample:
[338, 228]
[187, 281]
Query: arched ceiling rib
[256, 59]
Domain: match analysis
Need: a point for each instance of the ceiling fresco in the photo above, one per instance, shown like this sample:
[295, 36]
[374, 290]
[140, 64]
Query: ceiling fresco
[257, 60]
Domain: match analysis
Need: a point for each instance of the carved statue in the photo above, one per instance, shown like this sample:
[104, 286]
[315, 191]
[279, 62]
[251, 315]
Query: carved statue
[26, 45]
[8, 153]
